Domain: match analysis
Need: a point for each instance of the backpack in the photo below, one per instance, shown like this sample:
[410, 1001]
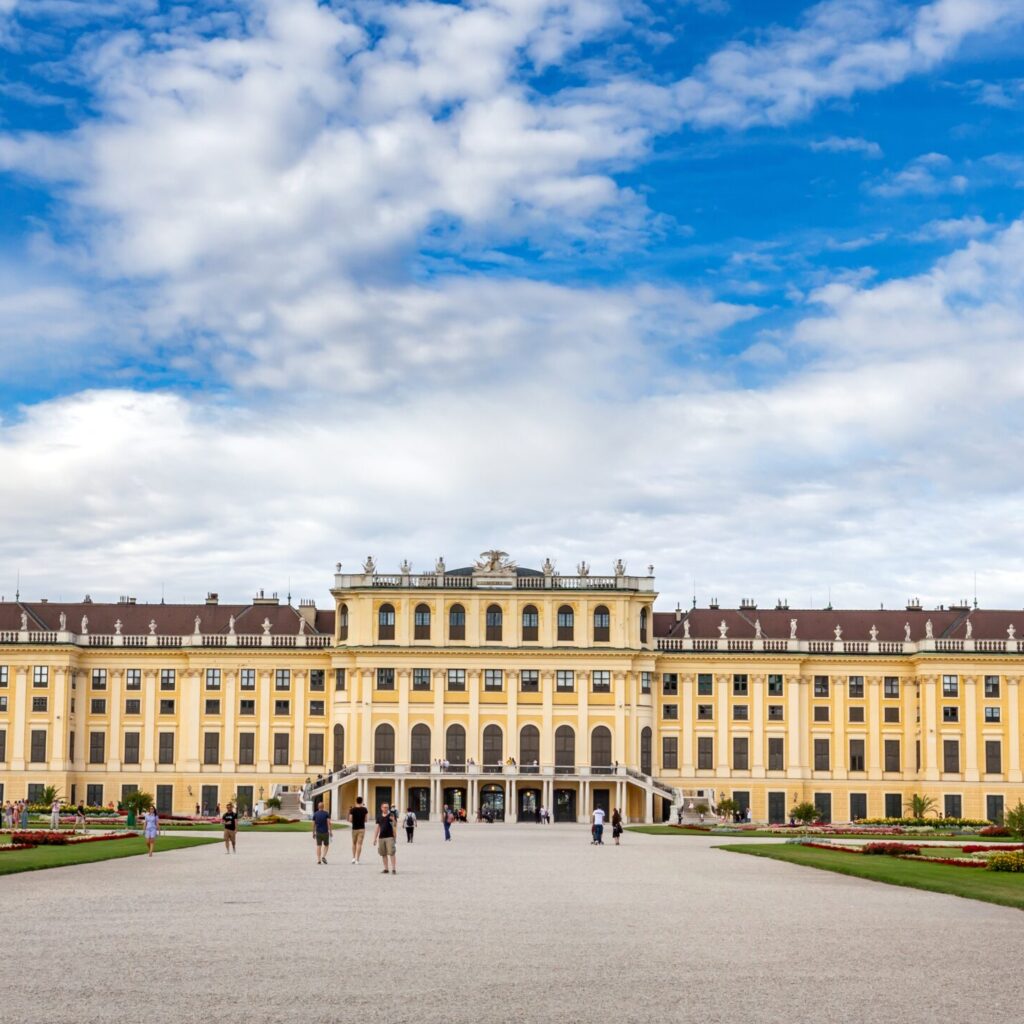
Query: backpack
[410, 820]
[450, 817]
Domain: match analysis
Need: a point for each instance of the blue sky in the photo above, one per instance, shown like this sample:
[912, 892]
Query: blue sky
[733, 287]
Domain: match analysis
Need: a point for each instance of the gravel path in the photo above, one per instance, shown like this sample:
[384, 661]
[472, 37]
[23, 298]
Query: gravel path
[506, 923]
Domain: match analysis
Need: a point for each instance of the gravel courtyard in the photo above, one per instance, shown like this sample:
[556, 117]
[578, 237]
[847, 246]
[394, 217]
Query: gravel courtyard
[506, 923]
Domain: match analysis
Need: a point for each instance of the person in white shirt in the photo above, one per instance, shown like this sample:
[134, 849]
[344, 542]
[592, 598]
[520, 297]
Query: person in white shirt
[598, 828]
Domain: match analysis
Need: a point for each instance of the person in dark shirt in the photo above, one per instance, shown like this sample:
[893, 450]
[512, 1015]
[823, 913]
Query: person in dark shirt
[230, 820]
[322, 831]
[357, 816]
[384, 837]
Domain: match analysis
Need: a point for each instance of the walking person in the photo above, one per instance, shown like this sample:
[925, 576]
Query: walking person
[80, 817]
[150, 828]
[322, 831]
[598, 819]
[384, 837]
[230, 820]
[446, 820]
[357, 815]
[410, 824]
[24, 814]
[55, 815]
[616, 825]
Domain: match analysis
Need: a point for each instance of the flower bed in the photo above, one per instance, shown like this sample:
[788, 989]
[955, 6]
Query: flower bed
[891, 849]
[25, 840]
[1001, 848]
[1013, 861]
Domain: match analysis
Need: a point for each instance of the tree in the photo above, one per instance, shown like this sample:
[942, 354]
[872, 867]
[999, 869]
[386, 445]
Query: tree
[49, 794]
[921, 806]
[806, 813]
[137, 803]
[727, 807]
[1013, 819]
[274, 803]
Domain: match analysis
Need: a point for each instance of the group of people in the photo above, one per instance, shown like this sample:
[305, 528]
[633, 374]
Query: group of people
[597, 826]
[15, 815]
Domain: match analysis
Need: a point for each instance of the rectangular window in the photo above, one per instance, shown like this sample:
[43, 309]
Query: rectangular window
[281, 740]
[456, 679]
[316, 748]
[385, 679]
[283, 679]
[705, 684]
[133, 679]
[951, 755]
[421, 678]
[41, 676]
[645, 682]
[669, 752]
[994, 809]
[950, 713]
[891, 687]
[316, 709]
[776, 753]
[893, 805]
[3, 703]
[494, 679]
[166, 707]
[952, 806]
[213, 706]
[94, 795]
[991, 686]
[993, 757]
[992, 714]
[821, 713]
[705, 712]
[565, 680]
[739, 686]
[670, 684]
[740, 712]
[821, 686]
[601, 681]
[740, 755]
[97, 747]
[339, 679]
[776, 712]
[167, 679]
[39, 704]
[71, 750]
[247, 707]
[858, 806]
[891, 715]
[98, 706]
[282, 707]
[3, 745]
[247, 679]
[165, 748]
[774, 686]
[35, 792]
[316, 680]
[891, 749]
[131, 748]
[857, 756]
[821, 755]
[529, 680]
[856, 687]
[211, 748]
[3, 677]
[823, 803]
[99, 678]
[705, 752]
[670, 711]
[247, 748]
[857, 714]
[950, 686]
[165, 799]
[213, 678]
[244, 794]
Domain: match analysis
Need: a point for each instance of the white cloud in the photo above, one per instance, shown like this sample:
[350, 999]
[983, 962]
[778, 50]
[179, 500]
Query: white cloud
[839, 144]
[953, 229]
[928, 175]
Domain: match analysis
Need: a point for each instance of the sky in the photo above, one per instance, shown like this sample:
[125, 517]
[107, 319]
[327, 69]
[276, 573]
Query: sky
[730, 287]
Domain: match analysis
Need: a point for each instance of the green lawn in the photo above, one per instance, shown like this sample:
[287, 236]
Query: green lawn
[971, 883]
[87, 853]
[673, 830]
[247, 830]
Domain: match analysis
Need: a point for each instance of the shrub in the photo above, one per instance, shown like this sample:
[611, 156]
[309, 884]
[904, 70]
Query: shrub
[892, 849]
[1006, 861]
[995, 830]
[1014, 819]
[805, 812]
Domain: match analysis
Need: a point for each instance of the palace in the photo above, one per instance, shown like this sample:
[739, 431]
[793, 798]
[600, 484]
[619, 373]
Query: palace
[499, 688]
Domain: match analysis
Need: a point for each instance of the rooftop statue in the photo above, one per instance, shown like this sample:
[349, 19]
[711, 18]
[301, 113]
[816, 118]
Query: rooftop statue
[906, 632]
[63, 622]
[1011, 630]
[686, 629]
[369, 566]
[496, 562]
[266, 627]
[757, 629]
[24, 622]
[970, 630]
[198, 624]
[85, 624]
[928, 634]
[231, 625]
[439, 565]
[152, 627]
[117, 627]
[723, 629]
[302, 626]
[792, 629]
[619, 567]
[548, 568]
[838, 632]
[405, 568]
[583, 569]
[873, 633]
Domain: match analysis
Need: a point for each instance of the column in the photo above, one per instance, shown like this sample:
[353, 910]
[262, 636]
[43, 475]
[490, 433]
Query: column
[929, 723]
[619, 684]
[840, 754]
[437, 732]
[687, 716]
[582, 717]
[1013, 713]
[365, 711]
[874, 684]
[19, 720]
[229, 741]
[649, 807]
[796, 686]
[263, 733]
[188, 719]
[757, 766]
[116, 704]
[58, 741]
[583, 812]
[970, 766]
[547, 732]
[510, 806]
[402, 740]
[149, 683]
[473, 744]
[471, 797]
[722, 687]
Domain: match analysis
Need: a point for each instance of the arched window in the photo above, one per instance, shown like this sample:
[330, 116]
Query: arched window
[343, 622]
[643, 625]
[421, 623]
[601, 748]
[419, 748]
[531, 622]
[384, 748]
[566, 623]
[492, 748]
[645, 750]
[339, 748]
[493, 622]
[602, 623]
[456, 623]
[386, 622]
[455, 746]
[565, 750]
[529, 747]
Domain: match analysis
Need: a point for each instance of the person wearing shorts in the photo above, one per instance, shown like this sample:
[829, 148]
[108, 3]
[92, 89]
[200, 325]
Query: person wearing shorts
[384, 837]
[322, 829]
[357, 816]
[230, 820]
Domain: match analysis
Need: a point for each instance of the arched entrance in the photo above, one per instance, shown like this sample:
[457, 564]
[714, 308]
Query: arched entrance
[565, 805]
[419, 748]
[419, 801]
[529, 805]
[455, 798]
[492, 803]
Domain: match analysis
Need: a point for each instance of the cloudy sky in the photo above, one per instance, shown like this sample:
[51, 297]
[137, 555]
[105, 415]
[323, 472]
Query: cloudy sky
[733, 287]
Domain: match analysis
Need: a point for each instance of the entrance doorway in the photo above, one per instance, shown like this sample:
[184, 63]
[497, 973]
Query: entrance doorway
[419, 801]
[776, 808]
[492, 803]
[565, 805]
[455, 798]
[602, 798]
[381, 795]
[529, 805]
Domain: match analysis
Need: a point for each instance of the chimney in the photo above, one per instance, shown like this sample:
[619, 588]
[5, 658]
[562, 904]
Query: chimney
[307, 609]
[212, 598]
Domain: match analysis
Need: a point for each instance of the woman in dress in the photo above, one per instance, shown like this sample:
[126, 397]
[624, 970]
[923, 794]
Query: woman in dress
[151, 829]
[616, 825]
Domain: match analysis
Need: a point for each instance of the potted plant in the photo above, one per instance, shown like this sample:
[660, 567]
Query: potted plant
[806, 813]
[135, 804]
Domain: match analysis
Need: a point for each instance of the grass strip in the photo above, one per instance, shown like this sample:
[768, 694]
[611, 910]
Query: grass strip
[674, 830]
[41, 857]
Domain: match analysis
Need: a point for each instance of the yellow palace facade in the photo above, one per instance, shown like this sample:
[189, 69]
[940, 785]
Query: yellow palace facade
[499, 689]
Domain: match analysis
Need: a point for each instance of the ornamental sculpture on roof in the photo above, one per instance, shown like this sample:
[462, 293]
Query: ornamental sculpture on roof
[24, 622]
[369, 566]
[405, 568]
[619, 567]
[266, 627]
[583, 569]
[757, 629]
[970, 630]
[548, 568]
[873, 633]
[723, 629]
[792, 629]
[906, 632]
[496, 563]
[928, 634]
[152, 627]
[63, 622]
[117, 627]
[838, 632]
[439, 565]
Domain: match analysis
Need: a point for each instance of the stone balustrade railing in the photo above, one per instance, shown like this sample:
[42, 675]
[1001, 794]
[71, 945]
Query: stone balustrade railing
[791, 646]
[348, 581]
[300, 640]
